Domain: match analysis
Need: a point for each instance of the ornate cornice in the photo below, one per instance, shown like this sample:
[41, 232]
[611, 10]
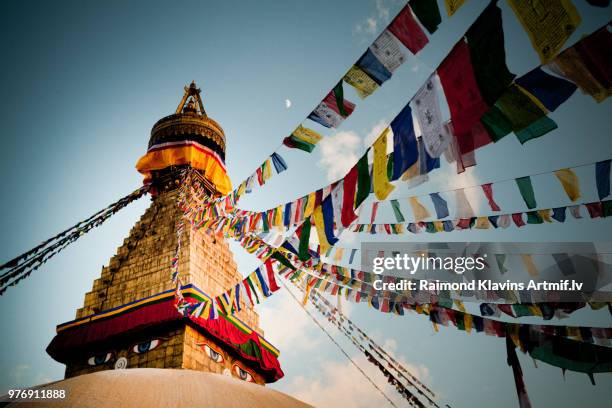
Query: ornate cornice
[188, 123]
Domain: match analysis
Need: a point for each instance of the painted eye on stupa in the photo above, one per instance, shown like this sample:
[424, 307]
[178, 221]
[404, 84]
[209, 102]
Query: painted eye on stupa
[244, 375]
[146, 346]
[213, 354]
[100, 359]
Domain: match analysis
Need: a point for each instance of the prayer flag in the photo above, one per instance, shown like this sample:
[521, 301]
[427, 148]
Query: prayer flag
[382, 187]
[405, 149]
[595, 209]
[559, 214]
[485, 37]
[440, 205]
[488, 191]
[570, 183]
[302, 138]
[463, 96]
[374, 211]
[532, 269]
[373, 67]
[387, 50]
[362, 82]
[550, 90]
[364, 180]
[547, 23]
[427, 12]
[405, 28]
[348, 197]
[518, 219]
[575, 211]
[427, 110]
[420, 212]
[463, 209]
[602, 178]
[526, 189]
[452, 6]
[397, 211]
[279, 163]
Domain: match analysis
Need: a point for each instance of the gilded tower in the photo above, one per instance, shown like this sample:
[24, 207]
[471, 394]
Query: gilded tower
[128, 319]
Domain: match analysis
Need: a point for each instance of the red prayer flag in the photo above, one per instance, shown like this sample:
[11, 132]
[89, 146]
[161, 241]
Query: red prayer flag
[464, 223]
[330, 100]
[465, 102]
[518, 219]
[271, 279]
[374, 210]
[488, 190]
[408, 31]
[595, 209]
[348, 198]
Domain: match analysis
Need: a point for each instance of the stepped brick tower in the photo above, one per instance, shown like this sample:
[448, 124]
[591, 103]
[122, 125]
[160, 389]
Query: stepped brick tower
[128, 319]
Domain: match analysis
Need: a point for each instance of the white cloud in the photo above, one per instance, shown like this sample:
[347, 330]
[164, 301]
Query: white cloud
[339, 153]
[287, 103]
[339, 383]
[291, 330]
[371, 24]
[379, 18]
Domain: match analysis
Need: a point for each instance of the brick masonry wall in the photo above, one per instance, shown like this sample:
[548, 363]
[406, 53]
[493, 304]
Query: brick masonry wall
[141, 268]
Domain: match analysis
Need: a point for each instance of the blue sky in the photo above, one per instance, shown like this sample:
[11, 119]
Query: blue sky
[83, 83]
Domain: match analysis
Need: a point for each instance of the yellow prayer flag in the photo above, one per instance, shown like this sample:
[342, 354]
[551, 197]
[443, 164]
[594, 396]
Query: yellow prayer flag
[420, 212]
[482, 223]
[452, 6]
[467, 322]
[547, 23]
[310, 203]
[362, 82]
[570, 183]
[317, 216]
[570, 65]
[459, 305]
[278, 216]
[307, 135]
[545, 214]
[266, 171]
[439, 226]
[382, 187]
[532, 270]
[338, 254]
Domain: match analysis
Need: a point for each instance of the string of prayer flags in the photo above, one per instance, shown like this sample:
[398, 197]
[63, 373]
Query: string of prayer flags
[452, 6]
[399, 217]
[405, 28]
[405, 149]
[548, 24]
[602, 178]
[420, 212]
[526, 190]
[463, 96]
[302, 138]
[364, 85]
[485, 38]
[440, 205]
[586, 64]
[488, 191]
[382, 187]
[551, 91]
[570, 183]
[427, 111]
[427, 12]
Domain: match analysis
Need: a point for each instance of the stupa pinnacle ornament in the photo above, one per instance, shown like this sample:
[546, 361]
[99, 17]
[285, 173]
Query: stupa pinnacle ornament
[129, 318]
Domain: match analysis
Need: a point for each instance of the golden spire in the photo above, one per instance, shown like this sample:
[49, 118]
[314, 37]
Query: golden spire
[192, 101]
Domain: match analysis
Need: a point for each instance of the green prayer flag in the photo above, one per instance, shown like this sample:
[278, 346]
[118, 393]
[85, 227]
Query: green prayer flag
[430, 227]
[363, 180]
[339, 94]
[606, 207]
[526, 189]
[281, 258]
[534, 218]
[389, 166]
[297, 143]
[538, 128]
[396, 210]
[303, 253]
[496, 123]
[428, 13]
